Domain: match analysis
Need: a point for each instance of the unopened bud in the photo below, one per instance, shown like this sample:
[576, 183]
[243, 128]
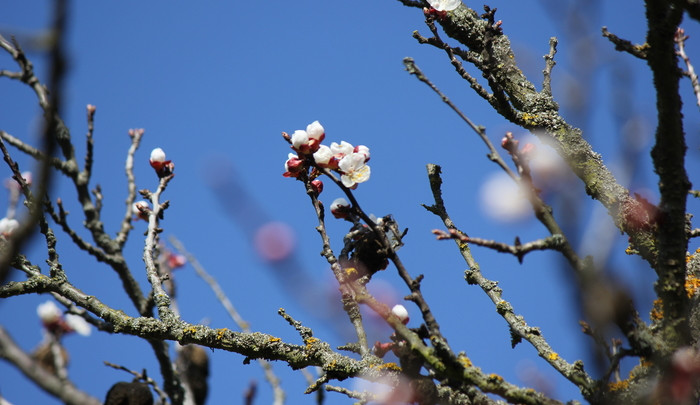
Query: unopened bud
[400, 312]
[163, 167]
[340, 208]
[317, 185]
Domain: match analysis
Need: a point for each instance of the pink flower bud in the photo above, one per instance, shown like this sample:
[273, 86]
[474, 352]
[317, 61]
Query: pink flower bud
[340, 208]
[400, 312]
[293, 166]
[317, 185]
[509, 143]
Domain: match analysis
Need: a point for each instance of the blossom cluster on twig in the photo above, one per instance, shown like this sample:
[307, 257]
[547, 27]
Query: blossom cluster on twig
[348, 160]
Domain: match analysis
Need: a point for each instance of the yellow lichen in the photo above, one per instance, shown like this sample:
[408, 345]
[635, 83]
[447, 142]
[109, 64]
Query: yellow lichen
[465, 361]
[692, 284]
[657, 312]
[495, 377]
[389, 366]
[630, 251]
[618, 385]
[553, 356]
[529, 117]
[275, 339]
[351, 271]
[220, 334]
[310, 341]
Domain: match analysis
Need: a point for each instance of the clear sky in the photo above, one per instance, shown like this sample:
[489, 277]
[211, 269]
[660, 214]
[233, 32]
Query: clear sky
[215, 83]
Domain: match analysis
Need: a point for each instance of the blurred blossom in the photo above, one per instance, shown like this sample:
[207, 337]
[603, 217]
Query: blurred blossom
[274, 241]
[48, 312]
[8, 225]
[547, 166]
[55, 322]
[444, 5]
[174, 260]
[384, 393]
[12, 184]
[141, 209]
[502, 199]
[78, 324]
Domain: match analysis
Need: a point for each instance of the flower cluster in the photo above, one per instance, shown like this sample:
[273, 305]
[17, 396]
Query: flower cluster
[348, 160]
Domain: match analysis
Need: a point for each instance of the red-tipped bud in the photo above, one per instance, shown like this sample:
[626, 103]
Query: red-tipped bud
[293, 166]
[317, 185]
[163, 167]
[509, 143]
[141, 210]
[340, 208]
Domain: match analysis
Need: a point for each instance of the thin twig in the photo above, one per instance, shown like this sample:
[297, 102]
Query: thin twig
[573, 372]
[272, 379]
[135, 135]
[640, 51]
[549, 63]
[413, 69]
[680, 39]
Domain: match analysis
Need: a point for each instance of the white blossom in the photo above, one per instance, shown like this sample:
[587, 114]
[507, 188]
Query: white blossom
[157, 155]
[299, 139]
[400, 312]
[444, 5]
[353, 169]
[315, 131]
[343, 148]
[323, 155]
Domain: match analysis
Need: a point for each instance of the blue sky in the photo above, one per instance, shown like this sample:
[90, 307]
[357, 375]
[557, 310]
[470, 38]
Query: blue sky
[214, 84]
